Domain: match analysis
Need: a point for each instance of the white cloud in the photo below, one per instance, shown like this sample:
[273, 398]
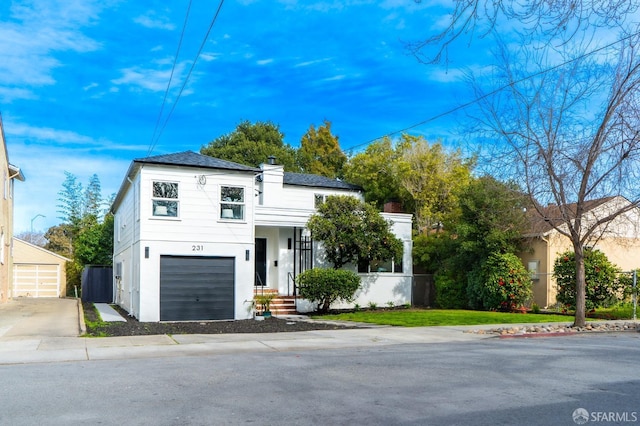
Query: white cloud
[150, 20]
[8, 95]
[208, 57]
[149, 79]
[313, 62]
[35, 32]
[447, 76]
[264, 61]
[335, 78]
[90, 86]
[24, 131]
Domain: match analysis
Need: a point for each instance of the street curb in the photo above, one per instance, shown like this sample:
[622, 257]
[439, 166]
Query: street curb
[512, 336]
[81, 325]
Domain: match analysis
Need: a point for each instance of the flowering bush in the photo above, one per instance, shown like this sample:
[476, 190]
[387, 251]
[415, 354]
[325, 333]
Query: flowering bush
[602, 285]
[501, 283]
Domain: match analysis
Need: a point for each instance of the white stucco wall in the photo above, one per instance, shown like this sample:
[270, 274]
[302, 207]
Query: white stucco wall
[197, 231]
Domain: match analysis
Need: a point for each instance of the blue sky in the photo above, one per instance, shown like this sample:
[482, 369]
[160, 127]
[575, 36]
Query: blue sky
[82, 81]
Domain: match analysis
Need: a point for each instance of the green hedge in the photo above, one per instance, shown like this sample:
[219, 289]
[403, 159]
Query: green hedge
[325, 286]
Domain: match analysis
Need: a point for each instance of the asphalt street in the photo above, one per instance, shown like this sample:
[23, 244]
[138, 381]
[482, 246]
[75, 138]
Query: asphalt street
[541, 381]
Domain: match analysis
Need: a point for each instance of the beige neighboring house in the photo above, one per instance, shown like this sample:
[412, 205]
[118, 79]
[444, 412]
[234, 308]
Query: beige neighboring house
[619, 240]
[38, 272]
[9, 174]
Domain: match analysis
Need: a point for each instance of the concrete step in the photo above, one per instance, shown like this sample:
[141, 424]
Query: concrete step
[280, 305]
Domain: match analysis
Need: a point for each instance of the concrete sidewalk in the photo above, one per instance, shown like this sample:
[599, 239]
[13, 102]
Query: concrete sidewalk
[40, 331]
[60, 349]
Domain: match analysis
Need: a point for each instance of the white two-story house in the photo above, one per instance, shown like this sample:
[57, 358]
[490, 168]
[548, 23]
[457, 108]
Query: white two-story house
[194, 236]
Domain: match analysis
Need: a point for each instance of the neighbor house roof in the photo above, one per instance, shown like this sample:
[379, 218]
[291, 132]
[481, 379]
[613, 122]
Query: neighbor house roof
[543, 219]
[300, 179]
[181, 159]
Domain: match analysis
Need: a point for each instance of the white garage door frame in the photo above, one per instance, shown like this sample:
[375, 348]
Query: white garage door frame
[36, 280]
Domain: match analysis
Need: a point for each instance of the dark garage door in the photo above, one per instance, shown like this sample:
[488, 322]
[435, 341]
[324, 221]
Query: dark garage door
[196, 288]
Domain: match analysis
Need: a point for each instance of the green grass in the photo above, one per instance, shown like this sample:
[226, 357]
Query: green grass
[433, 317]
[95, 326]
[622, 311]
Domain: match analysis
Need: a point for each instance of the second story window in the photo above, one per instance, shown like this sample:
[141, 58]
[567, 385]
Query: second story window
[165, 199]
[231, 203]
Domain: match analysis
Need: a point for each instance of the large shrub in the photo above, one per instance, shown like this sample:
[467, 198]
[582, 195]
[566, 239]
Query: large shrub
[451, 290]
[325, 286]
[500, 283]
[602, 285]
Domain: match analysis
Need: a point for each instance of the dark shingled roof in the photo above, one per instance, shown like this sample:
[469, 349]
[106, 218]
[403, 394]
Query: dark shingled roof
[300, 179]
[190, 158]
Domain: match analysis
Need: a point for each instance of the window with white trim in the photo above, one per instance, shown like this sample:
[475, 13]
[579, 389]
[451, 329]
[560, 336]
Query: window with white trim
[232, 203]
[373, 267]
[165, 199]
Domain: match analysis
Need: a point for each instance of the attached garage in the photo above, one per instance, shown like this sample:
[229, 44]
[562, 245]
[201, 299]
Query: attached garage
[195, 288]
[37, 272]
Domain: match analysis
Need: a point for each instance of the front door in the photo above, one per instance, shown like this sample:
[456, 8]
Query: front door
[261, 262]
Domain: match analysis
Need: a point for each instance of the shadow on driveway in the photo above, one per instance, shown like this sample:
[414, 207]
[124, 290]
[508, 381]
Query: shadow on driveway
[46, 317]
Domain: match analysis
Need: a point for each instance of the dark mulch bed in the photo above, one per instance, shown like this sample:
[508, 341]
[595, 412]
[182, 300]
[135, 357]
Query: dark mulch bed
[133, 327]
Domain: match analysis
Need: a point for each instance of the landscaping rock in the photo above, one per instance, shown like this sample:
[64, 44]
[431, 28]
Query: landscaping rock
[561, 328]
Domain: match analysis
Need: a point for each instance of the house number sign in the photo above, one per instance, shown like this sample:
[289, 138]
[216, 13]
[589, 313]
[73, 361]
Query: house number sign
[197, 247]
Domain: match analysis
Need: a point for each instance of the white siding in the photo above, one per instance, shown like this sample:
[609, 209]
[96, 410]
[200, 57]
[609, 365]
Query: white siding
[198, 219]
[296, 206]
[197, 231]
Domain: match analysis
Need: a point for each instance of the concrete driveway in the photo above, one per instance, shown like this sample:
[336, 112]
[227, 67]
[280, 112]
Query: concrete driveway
[46, 317]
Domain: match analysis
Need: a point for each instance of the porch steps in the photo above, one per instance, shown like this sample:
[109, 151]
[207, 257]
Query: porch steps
[280, 305]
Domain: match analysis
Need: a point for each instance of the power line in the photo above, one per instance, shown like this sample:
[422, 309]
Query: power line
[166, 92]
[493, 92]
[184, 84]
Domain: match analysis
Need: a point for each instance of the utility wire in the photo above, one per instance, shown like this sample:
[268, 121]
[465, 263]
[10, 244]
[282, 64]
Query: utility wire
[166, 92]
[184, 84]
[493, 92]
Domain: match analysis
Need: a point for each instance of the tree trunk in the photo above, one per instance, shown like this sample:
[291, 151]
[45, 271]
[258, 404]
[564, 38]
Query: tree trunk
[579, 320]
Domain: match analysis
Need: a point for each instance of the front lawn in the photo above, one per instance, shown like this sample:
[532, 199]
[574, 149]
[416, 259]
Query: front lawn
[432, 317]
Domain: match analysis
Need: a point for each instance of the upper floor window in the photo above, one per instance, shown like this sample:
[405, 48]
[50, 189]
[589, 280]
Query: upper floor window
[231, 202]
[165, 199]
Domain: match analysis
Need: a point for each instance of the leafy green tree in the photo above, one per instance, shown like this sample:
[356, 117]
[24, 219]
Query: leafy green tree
[501, 283]
[59, 240]
[86, 234]
[94, 244]
[491, 219]
[353, 231]
[320, 153]
[562, 106]
[252, 144]
[434, 177]
[375, 170]
[601, 277]
[325, 286]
